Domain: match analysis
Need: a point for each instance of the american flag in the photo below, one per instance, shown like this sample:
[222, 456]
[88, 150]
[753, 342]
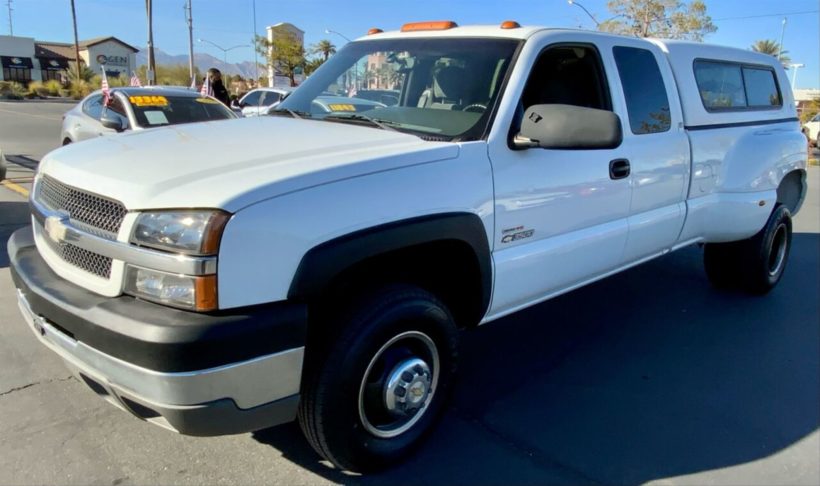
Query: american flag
[105, 89]
[135, 80]
[206, 87]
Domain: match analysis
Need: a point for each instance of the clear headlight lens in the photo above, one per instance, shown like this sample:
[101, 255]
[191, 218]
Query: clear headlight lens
[184, 291]
[190, 231]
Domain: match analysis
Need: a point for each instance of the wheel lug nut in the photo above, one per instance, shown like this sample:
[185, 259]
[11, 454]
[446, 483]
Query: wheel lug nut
[407, 376]
[400, 392]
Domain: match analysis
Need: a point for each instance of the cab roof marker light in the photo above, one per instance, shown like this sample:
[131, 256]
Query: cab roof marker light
[374, 30]
[510, 24]
[433, 25]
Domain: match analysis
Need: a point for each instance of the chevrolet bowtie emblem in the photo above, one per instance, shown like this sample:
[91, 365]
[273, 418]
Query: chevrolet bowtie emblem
[55, 228]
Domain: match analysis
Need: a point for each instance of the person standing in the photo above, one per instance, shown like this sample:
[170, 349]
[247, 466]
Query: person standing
[217, 88]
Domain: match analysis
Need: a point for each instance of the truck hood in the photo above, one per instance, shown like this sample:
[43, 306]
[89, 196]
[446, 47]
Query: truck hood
[232, 164]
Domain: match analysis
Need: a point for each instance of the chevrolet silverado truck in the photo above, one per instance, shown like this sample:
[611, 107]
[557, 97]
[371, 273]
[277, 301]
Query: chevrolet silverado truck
[318, 266]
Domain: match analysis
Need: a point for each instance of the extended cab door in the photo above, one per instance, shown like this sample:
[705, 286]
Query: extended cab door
[561, 215]
[656, 144]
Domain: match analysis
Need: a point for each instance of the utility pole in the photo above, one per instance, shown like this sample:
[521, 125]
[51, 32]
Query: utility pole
[11, 26]
[151, 62]
[255, 53]
[782, 33]
[190, 39]
[76, 39]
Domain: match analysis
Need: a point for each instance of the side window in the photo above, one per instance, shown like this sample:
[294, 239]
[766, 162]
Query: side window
[568, 75]
[761, 88]
[728, 85]
[252, 99]
[646, 101]
[270, 98]
[93, 107]
[720, 84]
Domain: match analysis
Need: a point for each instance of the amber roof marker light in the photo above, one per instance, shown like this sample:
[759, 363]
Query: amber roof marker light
[374, 30]
[433, 25]
[510, 24]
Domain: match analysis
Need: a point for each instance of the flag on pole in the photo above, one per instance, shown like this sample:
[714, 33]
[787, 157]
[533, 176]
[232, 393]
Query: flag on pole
[206, 87]
[105, 89]
[135, 80]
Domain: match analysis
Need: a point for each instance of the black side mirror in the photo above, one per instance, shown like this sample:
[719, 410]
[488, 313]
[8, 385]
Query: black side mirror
[112, 121]
[568, 127]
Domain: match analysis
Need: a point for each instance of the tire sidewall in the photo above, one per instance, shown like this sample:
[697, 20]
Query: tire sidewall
[345, 367]
[760, 278]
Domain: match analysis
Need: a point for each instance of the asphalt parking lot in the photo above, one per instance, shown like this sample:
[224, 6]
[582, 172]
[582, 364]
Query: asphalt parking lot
[649, 376]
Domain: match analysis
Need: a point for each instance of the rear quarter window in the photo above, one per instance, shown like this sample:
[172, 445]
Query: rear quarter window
[726, 86]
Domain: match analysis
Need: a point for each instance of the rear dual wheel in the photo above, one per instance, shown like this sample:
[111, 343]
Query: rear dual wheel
[370, 399]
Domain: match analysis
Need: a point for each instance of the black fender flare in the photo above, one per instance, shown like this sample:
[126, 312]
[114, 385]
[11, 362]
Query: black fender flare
[321, 264]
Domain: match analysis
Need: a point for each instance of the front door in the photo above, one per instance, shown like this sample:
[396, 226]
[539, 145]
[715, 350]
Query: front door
[561, 215]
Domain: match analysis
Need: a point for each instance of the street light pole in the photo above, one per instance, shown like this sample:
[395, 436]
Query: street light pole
[190, 19]
[152, 66]
[780, 48]
[11, 26]
[796, 66]
[573, 2]
[224, 50]
[255, 52]
[76, 40]
[356, 66]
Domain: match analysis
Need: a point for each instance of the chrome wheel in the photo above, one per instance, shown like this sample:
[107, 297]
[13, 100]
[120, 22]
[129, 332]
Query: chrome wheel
[777, 253]
[398, 384]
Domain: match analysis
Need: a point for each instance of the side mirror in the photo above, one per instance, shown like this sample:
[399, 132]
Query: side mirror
[111, 121]
[568, 127]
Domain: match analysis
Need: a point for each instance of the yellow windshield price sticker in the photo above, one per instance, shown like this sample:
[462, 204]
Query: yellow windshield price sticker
[342, 107]
[207, 100]
[142, 101]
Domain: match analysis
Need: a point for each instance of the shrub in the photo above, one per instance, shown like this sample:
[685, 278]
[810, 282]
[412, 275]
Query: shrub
[37, 89]
[12, 90]
[80, 89]
[53, 87]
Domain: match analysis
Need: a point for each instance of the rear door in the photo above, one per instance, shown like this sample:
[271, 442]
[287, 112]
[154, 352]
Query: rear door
[656, 144]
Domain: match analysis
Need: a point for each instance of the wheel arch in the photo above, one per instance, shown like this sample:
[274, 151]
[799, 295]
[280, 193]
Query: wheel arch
[435, 251]
[791, 192]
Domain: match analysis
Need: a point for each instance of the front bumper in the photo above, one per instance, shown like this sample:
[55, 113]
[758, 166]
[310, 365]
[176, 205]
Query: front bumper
[196, 374]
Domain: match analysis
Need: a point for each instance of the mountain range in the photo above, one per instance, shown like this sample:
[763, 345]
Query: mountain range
[203, 61]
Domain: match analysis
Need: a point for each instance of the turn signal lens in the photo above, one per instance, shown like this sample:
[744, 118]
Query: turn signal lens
[510, 24]
[182, 291]
[435, 25]
[374, 31]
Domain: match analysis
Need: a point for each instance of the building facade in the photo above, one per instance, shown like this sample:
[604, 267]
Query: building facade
[25, 59]
[275, 78]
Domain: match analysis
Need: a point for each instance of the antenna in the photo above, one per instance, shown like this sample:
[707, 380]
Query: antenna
[11, 26]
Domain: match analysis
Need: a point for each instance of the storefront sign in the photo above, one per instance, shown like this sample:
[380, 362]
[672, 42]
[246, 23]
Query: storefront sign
[112, 60]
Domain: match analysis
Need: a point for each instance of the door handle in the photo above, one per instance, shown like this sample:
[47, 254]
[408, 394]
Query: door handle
[619, 169]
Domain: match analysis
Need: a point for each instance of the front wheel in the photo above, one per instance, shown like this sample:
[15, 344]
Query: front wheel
[756, 264]
[370, 399]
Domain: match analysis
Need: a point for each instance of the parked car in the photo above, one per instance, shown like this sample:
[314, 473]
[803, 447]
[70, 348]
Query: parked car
[812, 130]
[388, 97]
[138, 109]
[318, 265]
[325, 104]
[257, 101]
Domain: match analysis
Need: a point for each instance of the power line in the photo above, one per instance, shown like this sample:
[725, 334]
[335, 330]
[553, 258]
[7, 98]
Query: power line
[768, 15]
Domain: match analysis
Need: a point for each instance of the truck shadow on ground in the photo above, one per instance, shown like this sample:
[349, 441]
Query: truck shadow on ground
[13, 215]
[648, 374]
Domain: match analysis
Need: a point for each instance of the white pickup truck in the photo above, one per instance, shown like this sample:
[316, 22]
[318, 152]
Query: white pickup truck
[223, 277]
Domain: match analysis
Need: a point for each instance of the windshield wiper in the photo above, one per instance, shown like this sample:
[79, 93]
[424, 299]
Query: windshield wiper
[383, 124]
[299, 115]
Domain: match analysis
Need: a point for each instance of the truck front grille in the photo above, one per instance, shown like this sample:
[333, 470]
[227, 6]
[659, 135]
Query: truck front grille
[91, 262]
[91, 210]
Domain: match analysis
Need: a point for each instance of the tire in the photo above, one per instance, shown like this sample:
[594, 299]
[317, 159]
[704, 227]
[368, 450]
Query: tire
[344, 416]
[757, 264]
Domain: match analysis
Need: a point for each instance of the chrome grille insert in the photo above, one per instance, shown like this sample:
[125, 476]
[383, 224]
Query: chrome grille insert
[91, 262]
[92, 211]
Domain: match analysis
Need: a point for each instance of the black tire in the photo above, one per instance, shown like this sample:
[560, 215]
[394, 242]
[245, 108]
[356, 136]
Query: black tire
[334, 413]
[757, 264]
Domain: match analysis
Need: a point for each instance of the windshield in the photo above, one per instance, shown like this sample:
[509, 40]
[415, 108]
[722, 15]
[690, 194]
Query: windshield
[441, 89]
[159, 110]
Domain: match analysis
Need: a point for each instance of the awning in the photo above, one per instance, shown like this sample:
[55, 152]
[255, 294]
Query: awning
[16, 62]
[52, 64]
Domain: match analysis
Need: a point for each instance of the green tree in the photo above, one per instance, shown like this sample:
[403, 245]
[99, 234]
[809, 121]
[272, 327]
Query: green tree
[170, 75]
[85, 73]
[771, 48]
[325, 48]
[285, 53]
[670, 19]
[312, 65]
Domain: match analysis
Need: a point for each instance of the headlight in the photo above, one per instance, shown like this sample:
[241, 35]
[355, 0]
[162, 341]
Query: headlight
[184, 291]
[194, 231]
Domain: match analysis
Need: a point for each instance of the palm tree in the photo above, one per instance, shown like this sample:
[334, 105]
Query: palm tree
[325, 48]
[771, 48]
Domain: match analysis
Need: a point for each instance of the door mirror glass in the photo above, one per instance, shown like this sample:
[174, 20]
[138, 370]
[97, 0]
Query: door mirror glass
[112, 121]
[557, 126]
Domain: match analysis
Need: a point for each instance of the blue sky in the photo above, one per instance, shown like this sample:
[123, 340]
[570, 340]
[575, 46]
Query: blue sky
[230, 23]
